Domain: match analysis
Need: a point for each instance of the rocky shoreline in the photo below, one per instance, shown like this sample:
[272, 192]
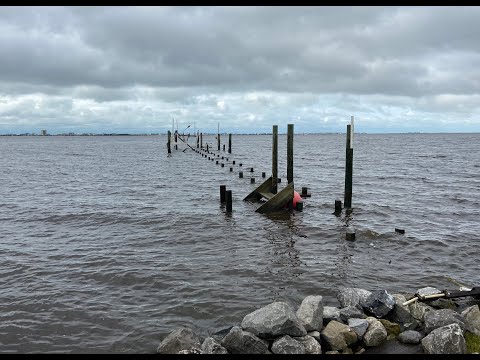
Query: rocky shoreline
[364, 322]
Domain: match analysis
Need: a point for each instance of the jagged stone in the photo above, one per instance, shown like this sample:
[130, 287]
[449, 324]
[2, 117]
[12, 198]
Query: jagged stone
[347, 351]
[447, 339]
[360, 326]
[401, 313]
[310, 313]
[190, 351]
[347, 296]
[180, 339]
[438, 318]
[429, 290]
[472, 319]
[332, 352]
[419, 309]
[212, 346]
[238, 341]
[338, 336]
[287, 345]
[330, 313]
[391, 327]
[375, 334]
[410, 337]
[379, 303]
[312, 346]
[443, 304]
[273, 320]
[361, 351]
[351, 312]
[220, 334]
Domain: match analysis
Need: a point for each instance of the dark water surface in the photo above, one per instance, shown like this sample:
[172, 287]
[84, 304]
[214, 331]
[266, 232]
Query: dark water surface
[107, 244]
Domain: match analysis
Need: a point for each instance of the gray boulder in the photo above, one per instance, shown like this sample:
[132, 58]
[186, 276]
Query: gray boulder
[312, 346]
[379, 303]
[180, 339]
[310, 313]
[438, 318]
[347, 296]
[212, 346]
[238, 341]
[376, 334]
[314, 334]
[419, 310]
[360, 326]
[351, 312]
[287, 345]
[338, 335]
[410, 337]
[472, 319]
[330, 313]
[273, 320]
[447, 339]
[401, 313]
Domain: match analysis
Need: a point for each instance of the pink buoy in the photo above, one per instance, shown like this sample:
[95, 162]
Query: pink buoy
[296, 198]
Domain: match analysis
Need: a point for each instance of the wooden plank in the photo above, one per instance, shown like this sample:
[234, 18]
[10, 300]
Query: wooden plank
[264, 187]
[266, 195]
[278, 201]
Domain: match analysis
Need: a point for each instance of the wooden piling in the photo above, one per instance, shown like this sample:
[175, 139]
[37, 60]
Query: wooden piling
[338, 207]
[168, 142]
[223, 189]
[198, 140]
[207, 148]
[350, 235]
[231, 169]
[251, 169]
[240, 174]
[201, 140]
[290, 153]
[252, 180]
[233, 162]
[229, 143]
[218, 141]
[274, 159]
[263, 174]
[348, 167]
[299, 206]
[228, 194]
[223, 147]
[223, 165]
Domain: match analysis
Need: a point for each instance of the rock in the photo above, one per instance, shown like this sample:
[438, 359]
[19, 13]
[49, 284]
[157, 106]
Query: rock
[472, 319]
[427, 291]
[338, 335]
[438, 318]
[391, 327]
[310, 313]
[238, 341]
[330, 313]
[287, 345]
[410, 337]
[447, 339]
[379, 303]
[419, 309]
[314, 334]
[190, 351]
[375, 334]
[212, 346]
[360, 326]
[347, 351]
[401, 313]
[311, 345]
[332, 352]
[352, 296]
[443, 304]
[273, 320]
[351, 312]
[220, 334]
[472, 341]
[361, 351]
[180, 339]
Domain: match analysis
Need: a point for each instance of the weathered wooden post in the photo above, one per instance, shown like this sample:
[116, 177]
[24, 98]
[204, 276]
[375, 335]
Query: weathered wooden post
[207, 148]
[290, 154]
[223, 147]
[263, 174]
[252, 180]
[223, 188]
[349, 166]
[229, 143]
[240, 174]
[168, 142]
[228, 194]
[201, 140]
[338, 207]
[218, 136]
[274, 160]
[198, 139]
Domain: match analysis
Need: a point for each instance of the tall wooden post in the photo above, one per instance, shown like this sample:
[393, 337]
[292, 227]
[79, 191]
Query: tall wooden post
[218, 136]
[290, 154]
[349, 166]
[229, 143]
[223, 189]
[228, 199]
[198, 140]
[201, 140]
[274, 159]
[168, 142]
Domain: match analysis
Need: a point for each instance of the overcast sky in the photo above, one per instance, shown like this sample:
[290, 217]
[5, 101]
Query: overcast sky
[133, 69]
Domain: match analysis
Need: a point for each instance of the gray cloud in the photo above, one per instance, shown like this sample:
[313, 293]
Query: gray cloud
[206, 62]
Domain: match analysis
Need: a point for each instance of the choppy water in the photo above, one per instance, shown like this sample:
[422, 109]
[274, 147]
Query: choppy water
[107, 244]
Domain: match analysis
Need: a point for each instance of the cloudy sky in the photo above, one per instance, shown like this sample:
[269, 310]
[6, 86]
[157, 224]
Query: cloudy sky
[133, 69]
